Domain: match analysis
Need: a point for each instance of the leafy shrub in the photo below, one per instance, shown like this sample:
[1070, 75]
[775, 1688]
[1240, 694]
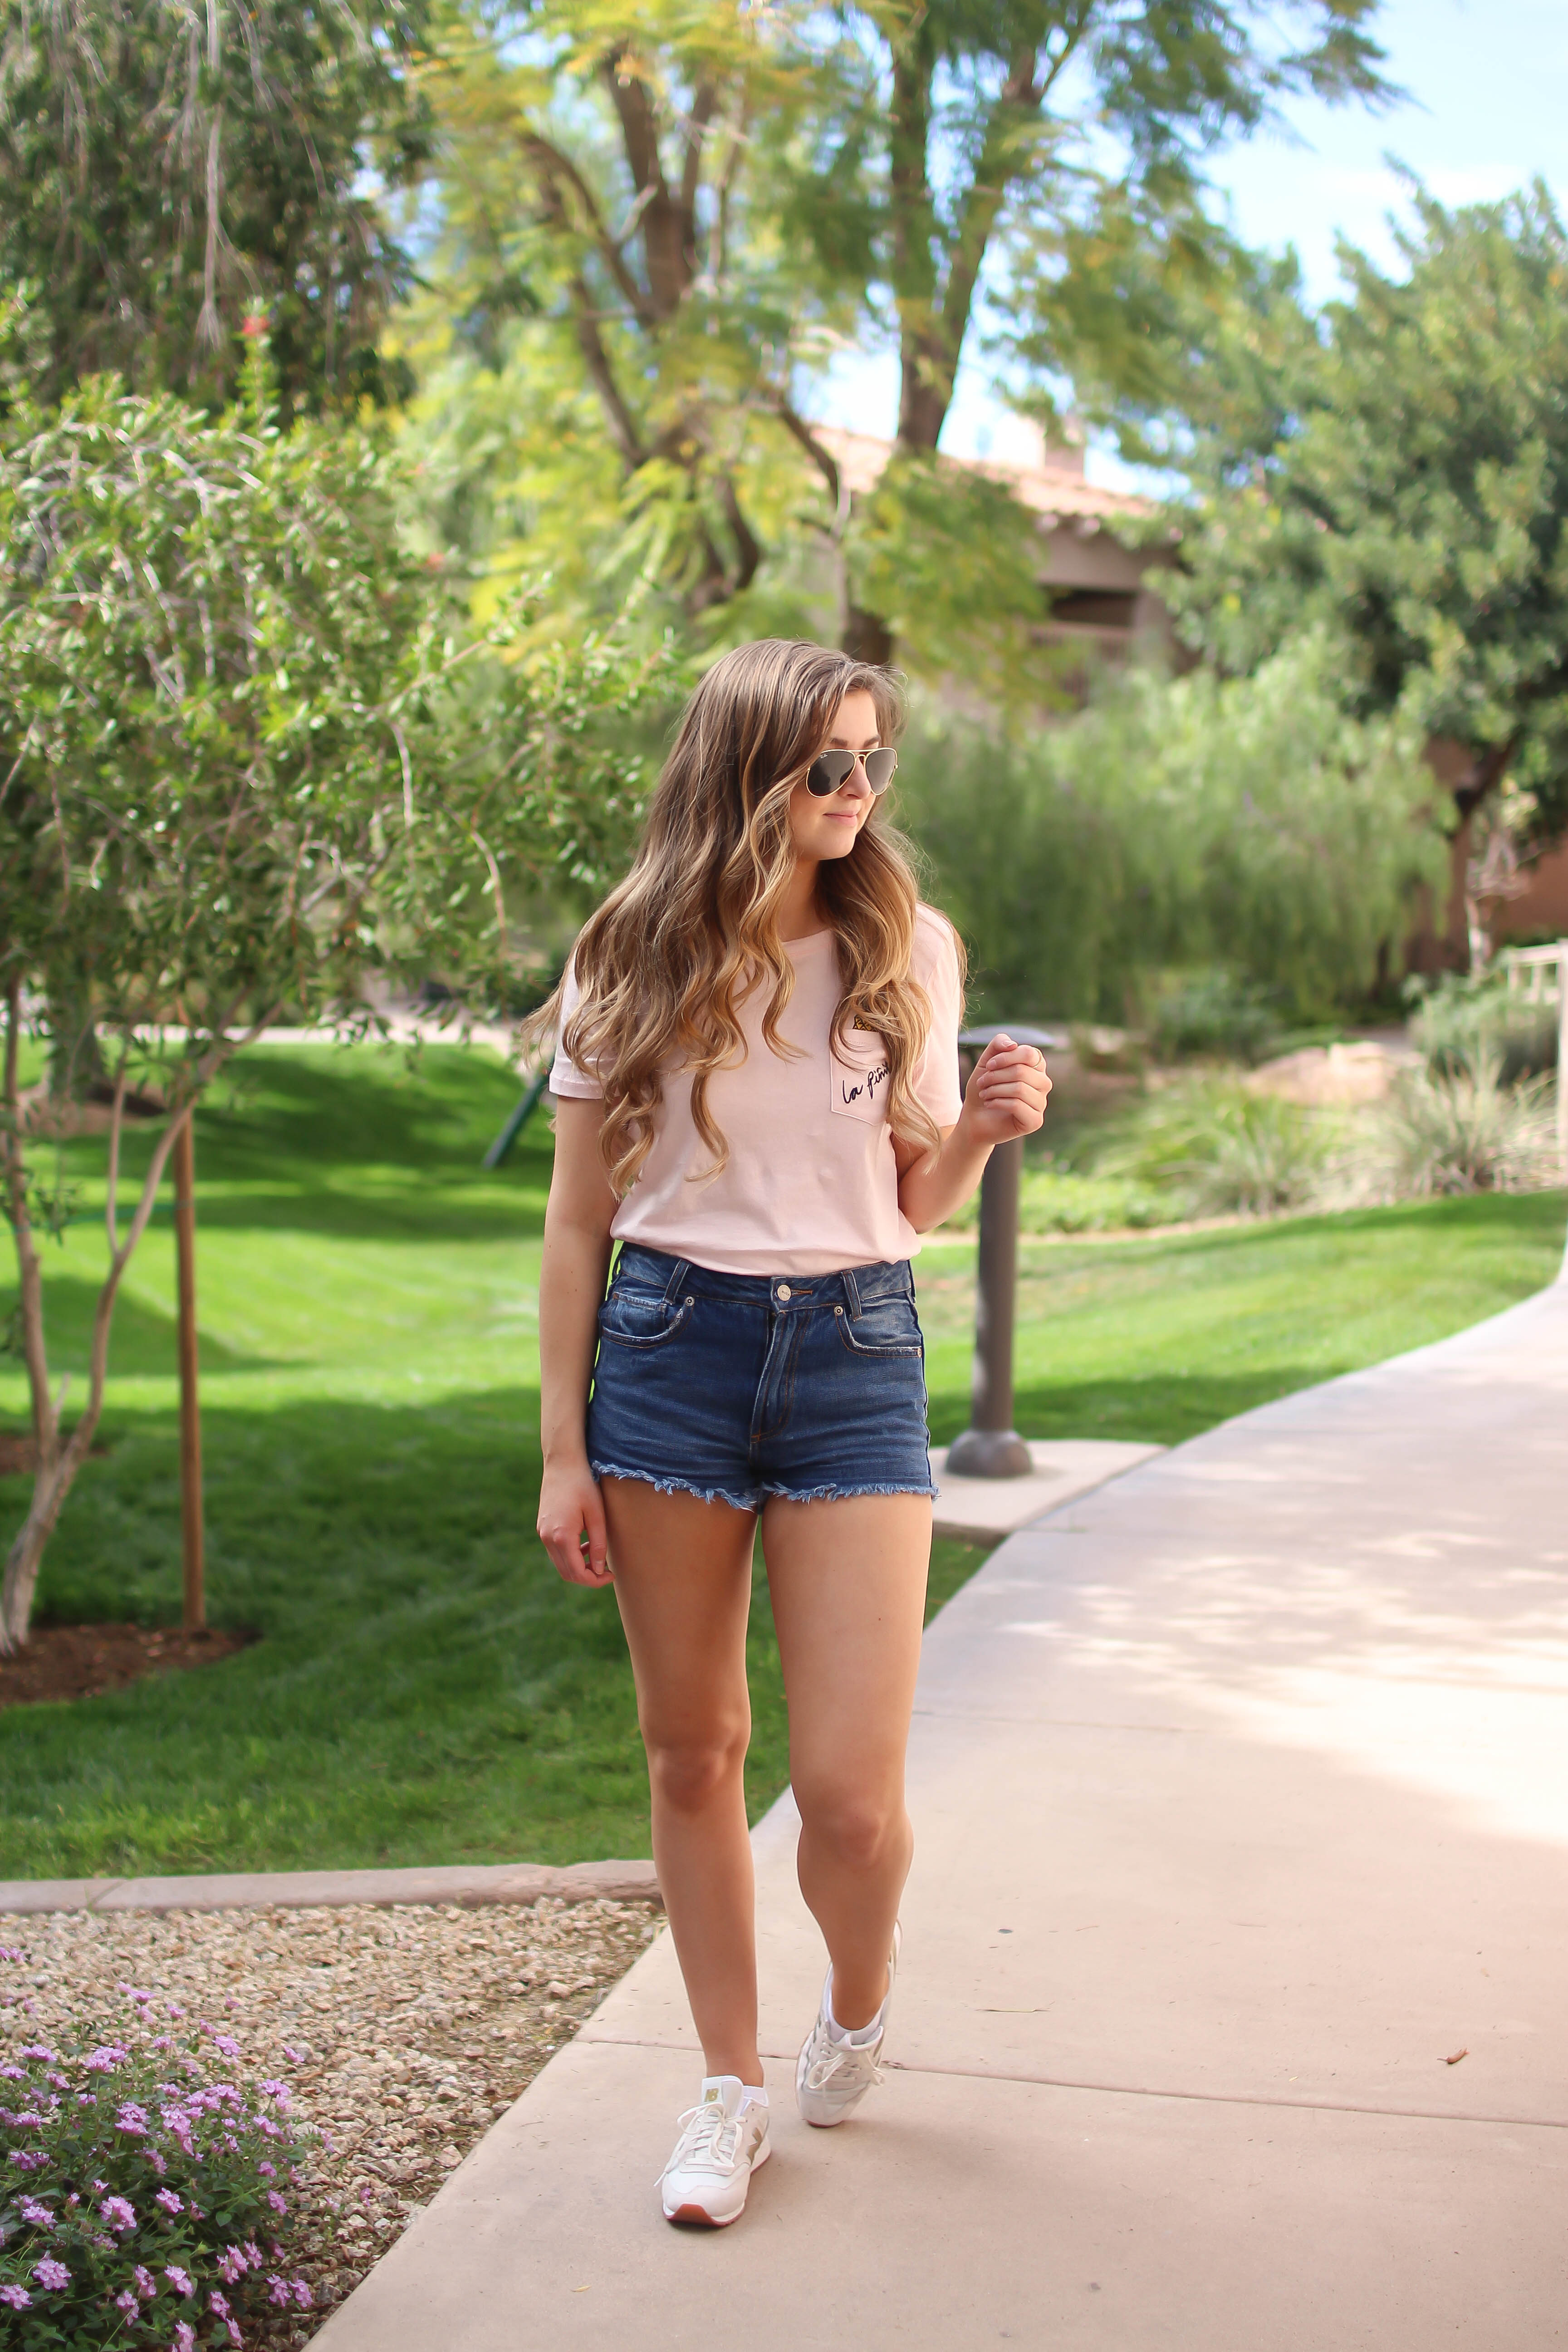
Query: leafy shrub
[1458, 1023]
[1213, 1012]
[143, 2193]
[1199, 821]
[1214, 1148]
[1466, 1131]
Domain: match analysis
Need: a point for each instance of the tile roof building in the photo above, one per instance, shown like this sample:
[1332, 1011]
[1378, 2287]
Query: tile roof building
[1098, 585]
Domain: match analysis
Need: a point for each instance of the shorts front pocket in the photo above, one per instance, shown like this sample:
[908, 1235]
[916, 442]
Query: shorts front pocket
[642, 1318]
[888, 1327]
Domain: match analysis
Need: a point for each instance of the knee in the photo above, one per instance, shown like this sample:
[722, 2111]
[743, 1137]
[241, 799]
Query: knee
[859, 1831]
[688, 1774]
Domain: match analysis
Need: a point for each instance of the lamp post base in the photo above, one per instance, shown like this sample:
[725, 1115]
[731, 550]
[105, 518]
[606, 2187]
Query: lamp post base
[989, 1454]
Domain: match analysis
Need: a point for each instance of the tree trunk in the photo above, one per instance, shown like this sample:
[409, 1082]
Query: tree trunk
[25, 1558]
[867, 638]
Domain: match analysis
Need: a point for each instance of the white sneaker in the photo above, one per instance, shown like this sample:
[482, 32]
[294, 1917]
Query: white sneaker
[722, 2141]
[836, 2067]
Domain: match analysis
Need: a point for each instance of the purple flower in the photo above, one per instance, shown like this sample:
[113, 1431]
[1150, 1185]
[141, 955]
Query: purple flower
[27, 2162]
[302, 2294]
[276, 2201]
[169, 2201]
[50, 2274]
[218, 2303]
[27, 2117]
[131, 2119]
[295, 2057]
[119, 2212]
[184, 2337]
[278, 2091]
[162, 2042]
[231, 2266]
[36, 2216]
[174, 2009]
[268, 2172]
[16, 2296]
[105, 2060]
[146, 2284]
[13, 2074]
[226, 2043]
[157, 2163]
[87, 2098]
[72, 2202]
[40, 2050]
[277, 2289]
[126, 2301]
[234, 2334]
[253, 2253]
[10, 1951]
[178, 2279]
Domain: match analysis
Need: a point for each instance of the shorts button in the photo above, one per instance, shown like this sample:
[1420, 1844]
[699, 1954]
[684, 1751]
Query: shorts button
[783, 1291]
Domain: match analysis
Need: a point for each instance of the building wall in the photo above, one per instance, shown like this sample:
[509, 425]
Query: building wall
[1542, 909]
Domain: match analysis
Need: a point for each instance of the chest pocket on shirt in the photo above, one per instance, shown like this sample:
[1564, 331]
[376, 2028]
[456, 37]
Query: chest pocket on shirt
[860, 1079]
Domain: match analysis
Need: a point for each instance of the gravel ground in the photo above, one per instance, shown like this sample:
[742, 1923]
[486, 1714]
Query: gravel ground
[420, 2024]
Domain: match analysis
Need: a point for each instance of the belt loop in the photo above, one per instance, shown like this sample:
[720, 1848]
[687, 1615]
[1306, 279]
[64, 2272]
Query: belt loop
[681, 1269]
[851, 1292]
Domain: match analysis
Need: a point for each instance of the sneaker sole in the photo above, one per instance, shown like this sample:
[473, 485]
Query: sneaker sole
[828, 2123]
[696, 2217]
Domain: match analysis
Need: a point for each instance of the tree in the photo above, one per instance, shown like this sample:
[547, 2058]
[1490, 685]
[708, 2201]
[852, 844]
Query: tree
[616, 310]
[172, 164]
[687, 209]
[250, 753]
[1397, 475]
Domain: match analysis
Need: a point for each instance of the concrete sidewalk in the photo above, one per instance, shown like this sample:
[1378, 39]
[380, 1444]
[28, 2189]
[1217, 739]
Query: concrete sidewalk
[1241, 1788]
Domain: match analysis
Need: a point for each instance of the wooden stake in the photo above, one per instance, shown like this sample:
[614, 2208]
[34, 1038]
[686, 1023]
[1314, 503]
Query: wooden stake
[182, 1161]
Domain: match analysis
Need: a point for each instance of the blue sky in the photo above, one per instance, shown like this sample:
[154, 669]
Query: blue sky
[1486, 111]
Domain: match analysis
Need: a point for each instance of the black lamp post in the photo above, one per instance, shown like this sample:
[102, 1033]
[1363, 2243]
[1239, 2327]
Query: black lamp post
[990, 1447]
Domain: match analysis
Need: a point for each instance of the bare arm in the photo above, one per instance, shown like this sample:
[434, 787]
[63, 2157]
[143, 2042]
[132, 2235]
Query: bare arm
[570, 1285]
[1006, 1098]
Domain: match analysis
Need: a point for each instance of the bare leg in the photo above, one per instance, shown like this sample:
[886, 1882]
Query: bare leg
[849, 1583]
[683, 1581]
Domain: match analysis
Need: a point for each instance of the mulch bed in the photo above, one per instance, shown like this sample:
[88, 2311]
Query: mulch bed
[83, 1661]
[19, 1456]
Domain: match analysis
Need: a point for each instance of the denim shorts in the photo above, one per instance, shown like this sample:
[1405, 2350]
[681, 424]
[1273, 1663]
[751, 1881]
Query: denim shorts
[738, 1386]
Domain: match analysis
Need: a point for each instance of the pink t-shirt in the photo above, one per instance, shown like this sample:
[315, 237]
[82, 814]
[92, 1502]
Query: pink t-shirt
[812, 1183]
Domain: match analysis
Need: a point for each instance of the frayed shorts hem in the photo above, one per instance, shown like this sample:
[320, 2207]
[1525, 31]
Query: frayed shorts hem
[760, 1495]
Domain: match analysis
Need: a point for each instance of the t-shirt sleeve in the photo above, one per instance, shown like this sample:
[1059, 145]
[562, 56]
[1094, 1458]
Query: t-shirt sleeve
[936, 1083]
[565, 1077]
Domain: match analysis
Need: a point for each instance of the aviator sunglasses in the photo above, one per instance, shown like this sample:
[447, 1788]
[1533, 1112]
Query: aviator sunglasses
[831, 770]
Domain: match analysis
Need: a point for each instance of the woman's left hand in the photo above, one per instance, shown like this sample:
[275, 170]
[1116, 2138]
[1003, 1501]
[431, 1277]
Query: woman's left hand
[1006, 1096]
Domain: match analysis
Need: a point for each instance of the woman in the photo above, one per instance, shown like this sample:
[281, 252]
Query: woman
[758, 1097]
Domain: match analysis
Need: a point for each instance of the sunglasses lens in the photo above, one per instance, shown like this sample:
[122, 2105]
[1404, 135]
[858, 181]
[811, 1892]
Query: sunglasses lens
[827, 771]
[880, 766]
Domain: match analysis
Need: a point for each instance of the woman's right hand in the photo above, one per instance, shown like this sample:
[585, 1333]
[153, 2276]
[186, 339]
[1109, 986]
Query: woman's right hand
[571, 1524]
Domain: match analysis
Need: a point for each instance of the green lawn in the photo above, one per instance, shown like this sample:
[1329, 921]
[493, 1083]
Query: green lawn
[425, 1689]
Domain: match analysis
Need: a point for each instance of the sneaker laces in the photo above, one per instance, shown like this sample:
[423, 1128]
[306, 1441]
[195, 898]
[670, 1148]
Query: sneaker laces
[837, 2055]
[708, 2140]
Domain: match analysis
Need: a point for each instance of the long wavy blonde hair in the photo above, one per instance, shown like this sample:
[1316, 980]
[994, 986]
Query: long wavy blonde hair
[679, 944]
